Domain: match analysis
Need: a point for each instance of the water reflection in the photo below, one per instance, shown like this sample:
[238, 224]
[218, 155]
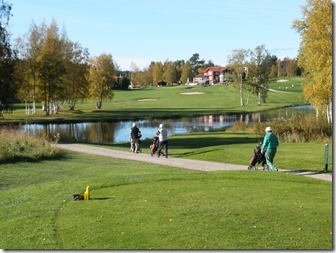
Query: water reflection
[117, 132]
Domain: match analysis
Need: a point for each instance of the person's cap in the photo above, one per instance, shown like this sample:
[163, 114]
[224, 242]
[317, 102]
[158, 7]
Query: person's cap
[161, 126]
[268, 129]
[134, 124]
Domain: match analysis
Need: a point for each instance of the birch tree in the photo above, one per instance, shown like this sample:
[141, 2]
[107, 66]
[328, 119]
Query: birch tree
[51, 67]
[259, 70]
[100, 78]
[186, 72]
[76, 85]
[315, 54]
[169, 72]
[237, 62]
[157, 72]
[22, 79]
[29, 46]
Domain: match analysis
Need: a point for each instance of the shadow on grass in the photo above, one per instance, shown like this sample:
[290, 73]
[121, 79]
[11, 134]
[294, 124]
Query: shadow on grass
[308, 172]
[59, 155]
[208, 142]
[195, 153]
[100, 198]
[193, 143]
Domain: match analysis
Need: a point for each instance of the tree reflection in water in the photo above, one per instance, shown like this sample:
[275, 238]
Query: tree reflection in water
[118, 132]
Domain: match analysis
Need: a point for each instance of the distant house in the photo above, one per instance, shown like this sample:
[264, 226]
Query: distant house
[211, 75]
[200, 79]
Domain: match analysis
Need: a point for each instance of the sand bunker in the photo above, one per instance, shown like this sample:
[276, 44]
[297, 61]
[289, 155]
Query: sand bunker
[282, 81]
[192, 93]
[146, 99]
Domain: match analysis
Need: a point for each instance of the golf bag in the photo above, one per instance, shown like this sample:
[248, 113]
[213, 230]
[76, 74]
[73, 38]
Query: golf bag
[154, 146]
[257, 158]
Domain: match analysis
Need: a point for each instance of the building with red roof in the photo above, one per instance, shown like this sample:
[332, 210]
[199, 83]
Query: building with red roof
[211, 75]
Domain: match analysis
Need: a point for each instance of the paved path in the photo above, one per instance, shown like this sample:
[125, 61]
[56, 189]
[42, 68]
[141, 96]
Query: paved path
[176, 162]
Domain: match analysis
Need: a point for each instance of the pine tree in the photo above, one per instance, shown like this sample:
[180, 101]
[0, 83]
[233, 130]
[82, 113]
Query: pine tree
[7, 62]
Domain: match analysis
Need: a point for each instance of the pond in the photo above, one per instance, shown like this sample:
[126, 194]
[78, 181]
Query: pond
[118, 132]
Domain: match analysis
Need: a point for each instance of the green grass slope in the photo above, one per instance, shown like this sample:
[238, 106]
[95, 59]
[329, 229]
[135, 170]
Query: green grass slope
[136, 205]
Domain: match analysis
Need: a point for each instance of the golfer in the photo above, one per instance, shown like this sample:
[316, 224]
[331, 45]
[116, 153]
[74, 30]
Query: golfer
[163, 140]
[269, 148]
[135, 135]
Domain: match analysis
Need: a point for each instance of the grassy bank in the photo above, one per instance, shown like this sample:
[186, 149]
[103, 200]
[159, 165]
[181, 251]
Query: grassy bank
[136, 205]
[218, 146]
[17, 146]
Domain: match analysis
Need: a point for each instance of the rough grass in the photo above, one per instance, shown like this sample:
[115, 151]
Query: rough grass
[19, 146]
[299, 128]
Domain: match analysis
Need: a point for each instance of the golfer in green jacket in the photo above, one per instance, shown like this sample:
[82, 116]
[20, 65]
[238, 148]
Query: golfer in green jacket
[269, 147]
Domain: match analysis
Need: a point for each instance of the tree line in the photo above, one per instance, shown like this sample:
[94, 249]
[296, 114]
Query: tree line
[45, 66]
[52, 70]
[180, 71]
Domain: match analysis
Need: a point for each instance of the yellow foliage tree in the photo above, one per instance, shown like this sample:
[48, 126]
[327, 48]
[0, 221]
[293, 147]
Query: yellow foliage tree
[186, 72]
[100, 77]
[157, 72]
[315, 55]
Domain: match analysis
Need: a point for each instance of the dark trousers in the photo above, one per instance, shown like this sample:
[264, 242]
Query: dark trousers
[163, 144]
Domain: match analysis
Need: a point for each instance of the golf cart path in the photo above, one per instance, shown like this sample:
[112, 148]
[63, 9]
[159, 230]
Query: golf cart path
[176, 162]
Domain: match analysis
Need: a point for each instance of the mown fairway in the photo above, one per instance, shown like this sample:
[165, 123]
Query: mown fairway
[168, 102]
[137, 205]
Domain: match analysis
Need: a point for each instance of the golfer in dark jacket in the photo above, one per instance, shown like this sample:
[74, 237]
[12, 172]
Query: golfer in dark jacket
[135, 138]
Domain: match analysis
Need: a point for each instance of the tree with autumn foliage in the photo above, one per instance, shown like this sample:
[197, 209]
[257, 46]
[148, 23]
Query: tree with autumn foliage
[51, 68]
[28, 48]
[186, 74]
[100, 77]
[237, 63]
[258, 72]
[315, 54]
[170, 72]
[75, 83]
[157, 71]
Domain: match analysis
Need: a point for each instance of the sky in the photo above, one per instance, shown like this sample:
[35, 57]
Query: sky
[137, 32]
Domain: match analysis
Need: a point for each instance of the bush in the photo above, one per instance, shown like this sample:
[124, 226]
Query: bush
[241, 126]
[16, 146]
[299, 128]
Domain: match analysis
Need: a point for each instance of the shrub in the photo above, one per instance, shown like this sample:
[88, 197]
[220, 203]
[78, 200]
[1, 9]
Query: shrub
[241, 126]
[298, 128]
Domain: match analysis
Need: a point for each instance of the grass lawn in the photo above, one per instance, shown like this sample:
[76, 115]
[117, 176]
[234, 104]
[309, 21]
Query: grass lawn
[136, 205]
[237, 148]
[167, 102]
